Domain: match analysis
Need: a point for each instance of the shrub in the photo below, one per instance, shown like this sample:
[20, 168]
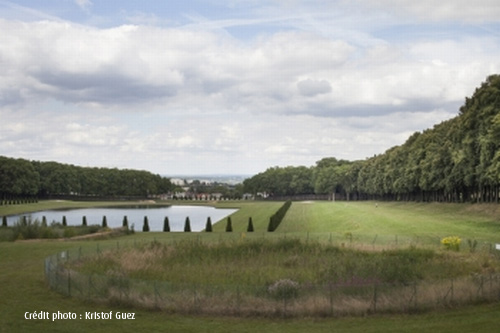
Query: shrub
[64, 222]
[275, 219]
[26, 229]
[125, 222]
[4, 221]
[84, 220]
[229, 225]
[187, 225]
[145, 227]
[44, 221]
[472, 245]
[250, 225]
[208, 227]
[104, 222]
[284, 289]
[451, 243]
[166, 225]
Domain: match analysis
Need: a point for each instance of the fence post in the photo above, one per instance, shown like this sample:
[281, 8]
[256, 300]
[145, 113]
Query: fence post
[330, 287]
[284, 305]
[413, 297]
[238, 300]
[374, 301]
[480, 291]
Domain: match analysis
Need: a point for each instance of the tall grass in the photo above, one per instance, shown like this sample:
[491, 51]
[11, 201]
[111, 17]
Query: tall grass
[264, 261]
[280, 277]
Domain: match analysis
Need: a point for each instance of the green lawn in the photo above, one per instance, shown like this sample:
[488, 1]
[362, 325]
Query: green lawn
[387, 222]
[23, 288]
[260, 212]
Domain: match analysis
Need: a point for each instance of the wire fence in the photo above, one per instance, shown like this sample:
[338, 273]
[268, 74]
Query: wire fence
[284, 298]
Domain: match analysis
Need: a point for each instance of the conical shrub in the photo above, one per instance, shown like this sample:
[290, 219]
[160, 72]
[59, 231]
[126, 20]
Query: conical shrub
[166, 225]
[250, 225]
[145, 227]
[229, 225]
[208, 227]
[187, 225]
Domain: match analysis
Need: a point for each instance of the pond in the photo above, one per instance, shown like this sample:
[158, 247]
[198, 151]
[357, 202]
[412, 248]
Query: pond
[114, 216]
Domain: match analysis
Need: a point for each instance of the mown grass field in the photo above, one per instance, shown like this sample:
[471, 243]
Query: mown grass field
[391, 222]
[23, 288]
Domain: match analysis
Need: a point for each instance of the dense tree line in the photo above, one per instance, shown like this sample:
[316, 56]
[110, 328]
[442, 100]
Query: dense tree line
[22, 178]
[457, 160]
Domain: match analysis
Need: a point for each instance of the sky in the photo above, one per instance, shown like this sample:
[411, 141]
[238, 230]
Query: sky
[234, 87]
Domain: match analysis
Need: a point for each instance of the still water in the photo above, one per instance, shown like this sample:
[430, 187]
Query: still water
[114, 216]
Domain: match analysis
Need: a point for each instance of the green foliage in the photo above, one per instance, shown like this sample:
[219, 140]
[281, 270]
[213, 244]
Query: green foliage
[457, 160]
[4, 221]
[187, 225]
[472, 245]
[284, 289]
[229, 225]
[125, 222]
[145, 227]
[166, 224]
[250, 225]
[208, 227]
[26, 228]
[275, 220]
[104, 222]
[84, 220]
[22, 179]
[64, 222]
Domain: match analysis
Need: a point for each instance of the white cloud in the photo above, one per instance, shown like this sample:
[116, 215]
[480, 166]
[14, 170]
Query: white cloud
[180, 100]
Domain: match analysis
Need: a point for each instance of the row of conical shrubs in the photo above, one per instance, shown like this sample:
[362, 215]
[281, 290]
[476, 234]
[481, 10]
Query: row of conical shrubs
[145, 227]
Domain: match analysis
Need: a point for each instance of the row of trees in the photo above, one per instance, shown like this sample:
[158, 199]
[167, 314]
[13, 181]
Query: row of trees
[22, 178]
[457, 160]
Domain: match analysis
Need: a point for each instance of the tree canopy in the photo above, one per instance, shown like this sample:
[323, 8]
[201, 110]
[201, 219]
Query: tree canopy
[457, 160]
[19, 177]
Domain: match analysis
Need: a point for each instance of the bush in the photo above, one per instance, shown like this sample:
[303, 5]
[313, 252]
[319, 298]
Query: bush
[229, 225]
[27, 229]
[145, 227]
[284, 289]
[250, 225]
[208, 227]
[451, 243]
[472, 245]
[276, 218]
[84, 221]
[187, 225]
[166, 225]
[125, 222]
[4, 221]
[64, 222]
[104, 222]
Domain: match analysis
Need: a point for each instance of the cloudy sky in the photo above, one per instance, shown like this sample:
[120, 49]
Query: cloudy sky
[230, 86]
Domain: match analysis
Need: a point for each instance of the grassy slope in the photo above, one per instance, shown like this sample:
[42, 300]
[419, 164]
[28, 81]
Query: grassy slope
[259, 211]
[388, 220]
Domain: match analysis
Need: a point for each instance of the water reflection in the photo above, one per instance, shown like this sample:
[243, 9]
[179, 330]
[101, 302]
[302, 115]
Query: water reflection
[114, 216]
